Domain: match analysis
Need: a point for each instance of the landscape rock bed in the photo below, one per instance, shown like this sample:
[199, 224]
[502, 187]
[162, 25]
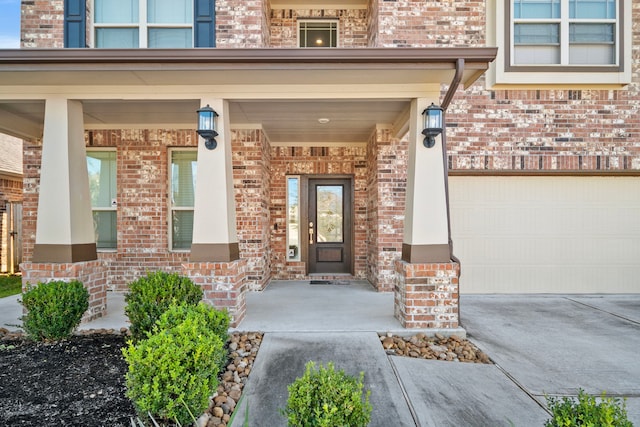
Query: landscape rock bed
[438, 347]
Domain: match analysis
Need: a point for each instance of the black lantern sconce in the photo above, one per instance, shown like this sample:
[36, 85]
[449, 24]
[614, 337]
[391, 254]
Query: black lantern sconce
[432, 124]
[207, 126]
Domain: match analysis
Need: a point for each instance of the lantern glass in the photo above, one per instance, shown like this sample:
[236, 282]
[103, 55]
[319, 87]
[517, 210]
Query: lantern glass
[206, 119]
[432, 117]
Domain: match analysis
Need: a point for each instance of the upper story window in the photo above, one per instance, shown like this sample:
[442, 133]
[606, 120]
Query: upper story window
[101, 166]
[315, 33]
[560, 42]
[573, 32]
[143, 23]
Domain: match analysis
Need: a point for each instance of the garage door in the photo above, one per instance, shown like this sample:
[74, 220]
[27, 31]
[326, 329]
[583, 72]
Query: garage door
[547, 234]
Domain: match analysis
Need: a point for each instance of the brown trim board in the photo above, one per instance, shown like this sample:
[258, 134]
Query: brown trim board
[425, 254]
[214, 252]
[78, 252]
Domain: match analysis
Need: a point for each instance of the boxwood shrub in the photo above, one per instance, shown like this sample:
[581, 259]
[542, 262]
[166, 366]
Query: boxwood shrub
[173, 372]
[150, 296]
[54, 309]
[324, 397]
[586, 411]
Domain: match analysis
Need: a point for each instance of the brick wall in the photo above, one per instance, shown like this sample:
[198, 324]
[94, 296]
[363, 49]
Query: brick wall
[42, 24]
[419, 23]
[315, 161]
[544, 130]
[241, 23]
[386, 185]
[352, 26]
[251, 178]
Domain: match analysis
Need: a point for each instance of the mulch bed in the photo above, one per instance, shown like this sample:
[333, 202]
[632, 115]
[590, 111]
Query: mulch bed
[80, 381]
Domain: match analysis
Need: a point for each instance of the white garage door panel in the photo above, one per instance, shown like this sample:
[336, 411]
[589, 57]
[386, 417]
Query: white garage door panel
[546, 234]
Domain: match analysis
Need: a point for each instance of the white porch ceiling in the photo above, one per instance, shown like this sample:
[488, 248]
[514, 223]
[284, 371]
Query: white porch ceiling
[284, 121]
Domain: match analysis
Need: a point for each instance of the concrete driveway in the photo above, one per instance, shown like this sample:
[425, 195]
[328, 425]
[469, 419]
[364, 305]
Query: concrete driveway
[542, 345]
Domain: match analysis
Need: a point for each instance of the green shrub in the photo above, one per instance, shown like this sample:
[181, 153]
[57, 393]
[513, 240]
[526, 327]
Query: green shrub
[173, 372]
[324, 397]
[54, 309]
[152, 295]
[585, 411]
[216, 321]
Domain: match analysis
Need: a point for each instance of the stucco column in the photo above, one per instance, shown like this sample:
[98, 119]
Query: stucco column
[215, 238]
[426, 230]
[64, 227]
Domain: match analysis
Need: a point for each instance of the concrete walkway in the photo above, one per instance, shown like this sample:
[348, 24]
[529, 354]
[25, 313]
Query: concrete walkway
[542, 345]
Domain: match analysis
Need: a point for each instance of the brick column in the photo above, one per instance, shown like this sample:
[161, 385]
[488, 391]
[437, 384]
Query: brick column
[223, 284]
[426, 295]
[92, 274]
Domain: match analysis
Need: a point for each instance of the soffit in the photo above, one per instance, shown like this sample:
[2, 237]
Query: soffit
[284, 91]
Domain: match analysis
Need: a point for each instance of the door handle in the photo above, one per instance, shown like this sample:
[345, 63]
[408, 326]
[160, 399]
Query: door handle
[311, 233]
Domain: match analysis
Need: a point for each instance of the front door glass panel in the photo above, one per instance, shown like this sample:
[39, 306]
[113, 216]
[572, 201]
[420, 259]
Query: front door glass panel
[330, 214]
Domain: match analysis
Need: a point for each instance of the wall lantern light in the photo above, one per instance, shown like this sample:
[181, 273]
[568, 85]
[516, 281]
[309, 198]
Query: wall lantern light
[207, 126]
[432, 116]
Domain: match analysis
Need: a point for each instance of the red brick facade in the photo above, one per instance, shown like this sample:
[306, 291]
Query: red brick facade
[540, 130]
[352, 26]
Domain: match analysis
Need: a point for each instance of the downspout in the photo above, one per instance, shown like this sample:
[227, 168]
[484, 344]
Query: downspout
[457, 78]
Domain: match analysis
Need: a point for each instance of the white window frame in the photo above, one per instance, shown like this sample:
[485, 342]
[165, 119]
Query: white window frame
[114, 203]
[503, 74]
[142, 26]
[319, 21]
[170, 206]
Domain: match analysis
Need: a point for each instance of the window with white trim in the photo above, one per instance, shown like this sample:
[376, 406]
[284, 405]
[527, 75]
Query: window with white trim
[143, 23]
[318, 33]
[564, 32]
[182, 179]
[560, 42]
[101, 166]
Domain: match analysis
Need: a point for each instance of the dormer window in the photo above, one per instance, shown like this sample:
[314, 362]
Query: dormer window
[316, 33]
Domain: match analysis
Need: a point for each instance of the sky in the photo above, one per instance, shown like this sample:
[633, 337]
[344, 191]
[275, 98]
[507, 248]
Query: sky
[9, 24]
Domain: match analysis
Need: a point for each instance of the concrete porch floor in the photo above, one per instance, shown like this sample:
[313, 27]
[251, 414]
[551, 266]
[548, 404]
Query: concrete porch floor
[298, 306]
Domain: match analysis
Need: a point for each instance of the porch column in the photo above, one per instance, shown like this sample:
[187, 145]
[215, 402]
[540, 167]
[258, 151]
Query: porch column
[214, 218]
[426, 229]
[426, 281]
[64, 226]
[65, 247]
[215, 263]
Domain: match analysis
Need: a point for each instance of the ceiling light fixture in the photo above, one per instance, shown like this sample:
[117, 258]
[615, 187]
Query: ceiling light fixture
[323, 120]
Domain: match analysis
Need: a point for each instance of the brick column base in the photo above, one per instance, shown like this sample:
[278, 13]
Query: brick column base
[223, 284]
[426, 295]
[92, 274]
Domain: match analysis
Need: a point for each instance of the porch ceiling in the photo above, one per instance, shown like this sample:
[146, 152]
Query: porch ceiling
[285, 91]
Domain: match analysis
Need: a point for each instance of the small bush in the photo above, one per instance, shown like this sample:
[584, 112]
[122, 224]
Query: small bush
[325, 397]
[174, 371]
[585, 411]
[152, 295]
[54, 309]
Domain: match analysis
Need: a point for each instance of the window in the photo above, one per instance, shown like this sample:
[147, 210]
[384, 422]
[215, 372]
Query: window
[143, 23]
[560, 42]
[293, 218]
[183, 186]
[316, 33]
[564, 32]
[101, 166]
